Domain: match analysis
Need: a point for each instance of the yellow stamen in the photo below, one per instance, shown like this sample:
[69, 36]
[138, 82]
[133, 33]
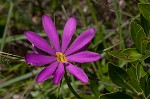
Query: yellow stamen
[61, 57]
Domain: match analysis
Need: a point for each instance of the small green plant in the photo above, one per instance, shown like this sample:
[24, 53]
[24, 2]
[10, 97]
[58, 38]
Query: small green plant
[134, 77]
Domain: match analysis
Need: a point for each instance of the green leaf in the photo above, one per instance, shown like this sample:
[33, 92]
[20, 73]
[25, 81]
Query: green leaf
[143, 1]
[132, 71]
[84, 96]
[138, 36]
[140, 71]
[134, 79]
[147, 55]
[143, 81]
[121, 78]
[145, 84]
[128, 55]
[118, 75]
[116, 95]
[132, 52]
[145, 10]
[148, 86]
[146, 25]
[94, 87]
[134, 28]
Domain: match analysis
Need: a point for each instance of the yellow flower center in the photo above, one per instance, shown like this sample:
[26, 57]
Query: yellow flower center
[61, 57]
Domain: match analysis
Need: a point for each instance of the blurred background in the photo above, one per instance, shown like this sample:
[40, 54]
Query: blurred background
[110, 18]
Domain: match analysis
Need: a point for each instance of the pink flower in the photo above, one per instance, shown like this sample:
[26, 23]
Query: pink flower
[60, 56]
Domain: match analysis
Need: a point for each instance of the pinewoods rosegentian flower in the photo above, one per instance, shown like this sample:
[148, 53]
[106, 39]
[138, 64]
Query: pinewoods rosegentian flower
[59, 56]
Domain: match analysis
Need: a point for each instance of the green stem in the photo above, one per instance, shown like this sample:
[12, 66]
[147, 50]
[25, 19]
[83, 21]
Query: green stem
[118, 17]
[95, 70]
[99, 26]
[70, 87]
[64, 10]
[82, 14]
[92, 11]
[6, 27]
[119, 23]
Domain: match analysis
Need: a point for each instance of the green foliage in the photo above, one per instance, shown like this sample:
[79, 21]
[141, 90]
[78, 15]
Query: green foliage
[94, 87]
[148, 87]
[144, 9]
[138, 36]
[128, 55]
[118, 75]
[146, 25]
[123, 78]
[145, 85]
[116, 95]
[134, 77]
[144, 1]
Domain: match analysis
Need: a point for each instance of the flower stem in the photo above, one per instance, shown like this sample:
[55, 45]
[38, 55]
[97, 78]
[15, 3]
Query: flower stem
[70, 87]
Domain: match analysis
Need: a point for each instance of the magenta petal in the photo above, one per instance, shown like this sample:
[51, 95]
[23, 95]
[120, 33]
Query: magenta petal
[51, 31]
[68, 32]
[36, 50]
[39, 42]
[85, 56]
[77, 72]
[81, 41]
[84, 48]
[59, 73]
[46, 72]
[38, 59]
